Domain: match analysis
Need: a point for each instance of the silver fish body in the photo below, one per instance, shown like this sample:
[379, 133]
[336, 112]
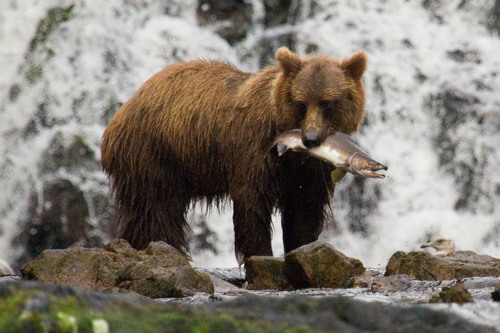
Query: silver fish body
[338, 149]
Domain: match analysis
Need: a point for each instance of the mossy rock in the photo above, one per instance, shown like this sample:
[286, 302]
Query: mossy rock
[453, 294]
[266, 273]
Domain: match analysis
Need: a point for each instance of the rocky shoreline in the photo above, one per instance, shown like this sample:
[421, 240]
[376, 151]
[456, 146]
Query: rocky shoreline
[43, 307]
[314, 288]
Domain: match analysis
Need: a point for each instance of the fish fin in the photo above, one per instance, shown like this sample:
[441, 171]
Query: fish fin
[337, 175]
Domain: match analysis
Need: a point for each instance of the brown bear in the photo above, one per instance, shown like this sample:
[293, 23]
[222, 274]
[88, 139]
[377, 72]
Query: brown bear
[203, 130]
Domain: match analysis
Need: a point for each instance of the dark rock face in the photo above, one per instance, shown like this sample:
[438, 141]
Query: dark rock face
[231, 18]
[362, 198]
[56, 220]
[424, 266]
[158, 271]
[266, 273]
[455, 111]
[318, 265]
[495, 295]
[453, 294]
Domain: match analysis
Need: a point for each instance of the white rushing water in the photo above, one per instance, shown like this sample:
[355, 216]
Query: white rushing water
[432, 103]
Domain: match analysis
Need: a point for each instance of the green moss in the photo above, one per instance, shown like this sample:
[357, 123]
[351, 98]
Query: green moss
[22, 311]
[435, 299]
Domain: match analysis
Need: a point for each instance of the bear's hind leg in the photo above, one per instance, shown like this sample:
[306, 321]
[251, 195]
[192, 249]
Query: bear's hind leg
[252, 230]
[152, 220]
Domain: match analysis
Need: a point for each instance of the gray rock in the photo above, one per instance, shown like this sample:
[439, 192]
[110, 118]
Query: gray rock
[364, 280]
[390, 284]
[424, 266]
[319, 265]
[266, 273]
[158, 271]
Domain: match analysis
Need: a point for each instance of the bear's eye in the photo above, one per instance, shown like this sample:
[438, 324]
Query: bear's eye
[301, 107]
[329, 107]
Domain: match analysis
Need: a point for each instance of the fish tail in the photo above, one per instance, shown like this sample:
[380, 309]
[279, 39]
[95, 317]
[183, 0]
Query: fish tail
[282, 148]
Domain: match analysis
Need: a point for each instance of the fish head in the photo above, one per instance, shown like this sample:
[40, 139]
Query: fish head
[363, 165]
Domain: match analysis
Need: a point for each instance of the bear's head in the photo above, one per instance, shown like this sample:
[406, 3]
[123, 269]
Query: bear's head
[319, 94]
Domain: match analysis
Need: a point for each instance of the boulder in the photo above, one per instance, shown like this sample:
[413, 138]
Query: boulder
[456, 293]
[158, 271]
[424, 266]
[266, 273]
[319, 265]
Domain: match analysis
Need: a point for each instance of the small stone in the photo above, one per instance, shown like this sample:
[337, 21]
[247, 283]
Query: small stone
[453, 294]
[391, 284]
[266, 273]
[364, 280]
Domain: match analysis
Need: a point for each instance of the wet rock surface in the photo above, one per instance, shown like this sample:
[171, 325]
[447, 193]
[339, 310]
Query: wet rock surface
[424, 266]
[318, 265]
[158, 271]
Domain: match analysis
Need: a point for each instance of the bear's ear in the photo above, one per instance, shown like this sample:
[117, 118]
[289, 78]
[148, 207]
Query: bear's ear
[289, 62]
[355, 66]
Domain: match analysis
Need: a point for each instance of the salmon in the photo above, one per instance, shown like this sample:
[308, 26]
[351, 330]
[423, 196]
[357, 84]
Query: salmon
[338, 149]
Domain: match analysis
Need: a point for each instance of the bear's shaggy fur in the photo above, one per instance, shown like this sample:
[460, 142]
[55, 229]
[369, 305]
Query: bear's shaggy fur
[204, 130]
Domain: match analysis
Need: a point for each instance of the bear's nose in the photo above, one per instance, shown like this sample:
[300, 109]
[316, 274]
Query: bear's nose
[310, 138]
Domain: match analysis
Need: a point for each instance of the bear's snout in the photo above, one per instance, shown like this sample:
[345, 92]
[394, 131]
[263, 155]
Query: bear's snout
[311, 138]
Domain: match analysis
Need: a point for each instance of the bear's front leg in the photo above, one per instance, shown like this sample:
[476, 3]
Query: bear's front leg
[252, 229]
[303, 198]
